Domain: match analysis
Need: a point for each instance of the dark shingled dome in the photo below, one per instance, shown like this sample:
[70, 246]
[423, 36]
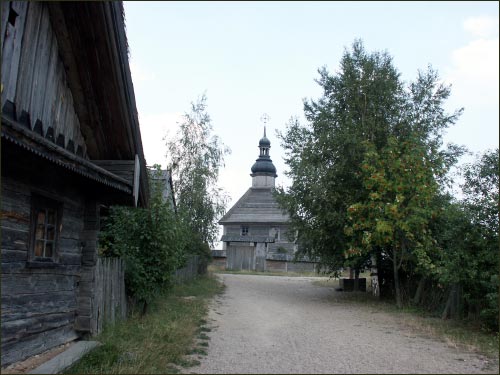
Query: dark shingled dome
[264, 165]
[264, 142]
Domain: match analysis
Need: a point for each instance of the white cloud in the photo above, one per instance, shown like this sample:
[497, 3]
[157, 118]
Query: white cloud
[154, 129]
[474, 74]
[475, 66]
[478, 60]
[483, 27]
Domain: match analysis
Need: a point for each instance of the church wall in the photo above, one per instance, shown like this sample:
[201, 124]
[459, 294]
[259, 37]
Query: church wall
[277, 248]
[263, 181]
[259, 230]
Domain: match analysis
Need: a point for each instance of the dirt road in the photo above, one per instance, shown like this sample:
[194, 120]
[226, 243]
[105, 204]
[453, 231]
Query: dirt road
[272, 324]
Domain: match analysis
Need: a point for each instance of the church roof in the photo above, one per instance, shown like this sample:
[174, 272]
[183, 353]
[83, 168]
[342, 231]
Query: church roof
[257, 205]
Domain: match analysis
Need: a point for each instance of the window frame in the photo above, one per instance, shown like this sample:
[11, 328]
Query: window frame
[244, 230]
[39, 203]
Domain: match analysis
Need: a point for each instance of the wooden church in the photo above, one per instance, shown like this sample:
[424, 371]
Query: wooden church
[255, 230]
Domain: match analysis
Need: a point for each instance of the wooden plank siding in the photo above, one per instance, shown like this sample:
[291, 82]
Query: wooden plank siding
[122, 168]
[102, 299]
[241, 258]
[11, 47]
[34, 77]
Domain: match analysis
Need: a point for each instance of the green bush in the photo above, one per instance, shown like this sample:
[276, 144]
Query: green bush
[150, 241]
[153, 242]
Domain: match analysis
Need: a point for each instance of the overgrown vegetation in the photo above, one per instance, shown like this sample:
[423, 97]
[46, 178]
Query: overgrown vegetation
[152, 241]
[369, 182]
[155, 241]
[195, 156]
[158, 342]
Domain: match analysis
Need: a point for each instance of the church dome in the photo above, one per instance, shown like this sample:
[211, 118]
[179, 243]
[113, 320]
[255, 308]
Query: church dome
[264, 142]
[263, 165]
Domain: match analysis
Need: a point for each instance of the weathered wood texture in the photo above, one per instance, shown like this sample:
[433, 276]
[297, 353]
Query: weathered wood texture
[194, 267]
[38, 304]
[34, 77]
[102, 299]
[241, 258]
[110, 300]
[122, 168]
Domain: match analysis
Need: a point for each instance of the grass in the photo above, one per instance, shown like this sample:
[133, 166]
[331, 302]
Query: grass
[158, 342]
[459, 334]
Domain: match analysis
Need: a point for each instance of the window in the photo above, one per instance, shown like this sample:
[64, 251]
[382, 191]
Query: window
[244, 230]
[275, 232]
[45, 225]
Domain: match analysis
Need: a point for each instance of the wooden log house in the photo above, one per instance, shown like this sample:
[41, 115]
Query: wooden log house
[71, 147]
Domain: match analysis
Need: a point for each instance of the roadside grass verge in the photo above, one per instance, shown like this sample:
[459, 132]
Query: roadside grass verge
[461, 334]
[159, 341]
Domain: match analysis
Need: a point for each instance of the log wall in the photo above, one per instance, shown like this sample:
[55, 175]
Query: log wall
[38, 304]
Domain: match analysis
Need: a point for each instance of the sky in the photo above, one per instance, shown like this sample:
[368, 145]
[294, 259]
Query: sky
[251, 58]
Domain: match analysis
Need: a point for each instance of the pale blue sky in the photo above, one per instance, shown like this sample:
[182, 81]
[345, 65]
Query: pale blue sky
[256, 57]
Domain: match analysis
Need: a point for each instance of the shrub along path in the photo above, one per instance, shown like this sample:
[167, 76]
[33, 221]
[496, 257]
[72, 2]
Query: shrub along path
[272, 324]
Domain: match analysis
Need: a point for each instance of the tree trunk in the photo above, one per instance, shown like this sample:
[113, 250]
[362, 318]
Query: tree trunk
[374, 277]
[419, 292]
[144, 308]
[356, 280]
[446, 311]
[397, 287]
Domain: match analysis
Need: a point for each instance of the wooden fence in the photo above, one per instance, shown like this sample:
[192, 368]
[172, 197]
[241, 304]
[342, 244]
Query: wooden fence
[193, 268]
[110, 303]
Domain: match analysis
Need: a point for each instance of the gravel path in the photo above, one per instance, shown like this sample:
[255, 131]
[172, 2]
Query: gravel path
[273, 324]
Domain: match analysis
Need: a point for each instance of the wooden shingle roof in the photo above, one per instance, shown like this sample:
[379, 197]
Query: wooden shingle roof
[257, 205]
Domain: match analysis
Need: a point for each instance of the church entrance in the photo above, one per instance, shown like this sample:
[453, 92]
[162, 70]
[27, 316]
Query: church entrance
[240, 257]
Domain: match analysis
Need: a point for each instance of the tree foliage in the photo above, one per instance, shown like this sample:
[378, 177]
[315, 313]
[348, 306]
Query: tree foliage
[467, 235]
[363, 106]
[395, 217]
[195, 157]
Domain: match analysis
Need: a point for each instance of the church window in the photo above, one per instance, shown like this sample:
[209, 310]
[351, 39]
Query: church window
[244, 230]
